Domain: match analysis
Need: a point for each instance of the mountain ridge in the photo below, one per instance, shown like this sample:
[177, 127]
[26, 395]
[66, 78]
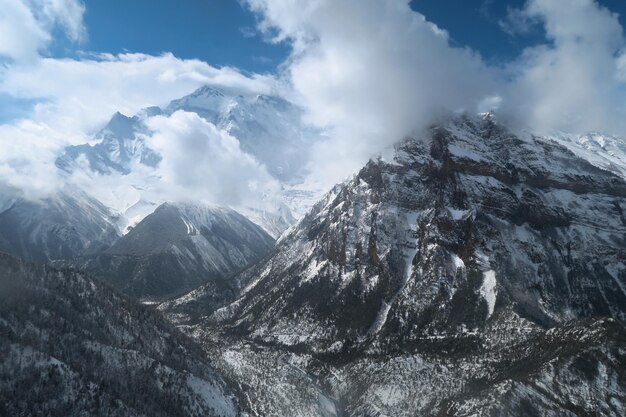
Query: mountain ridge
[475, 268]
[177, 248]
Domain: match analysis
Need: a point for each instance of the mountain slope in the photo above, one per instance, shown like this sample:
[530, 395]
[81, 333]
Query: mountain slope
[72, 347]
[467, 276]
[65, 225]
[605, 151]
[178, 248]
[445, 234]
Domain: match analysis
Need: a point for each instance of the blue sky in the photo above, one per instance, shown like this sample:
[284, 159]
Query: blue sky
[221, 32]
[475, 23]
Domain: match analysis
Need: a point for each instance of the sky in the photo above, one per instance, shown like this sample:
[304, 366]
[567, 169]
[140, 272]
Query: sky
[223, 32]
[366, 72]
[477, 24]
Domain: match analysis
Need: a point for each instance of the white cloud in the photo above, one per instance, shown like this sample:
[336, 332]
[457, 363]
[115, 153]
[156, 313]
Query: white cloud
[26, 26]
[27, 155]
[80, 95]
[370, 72]
[572, 83]
[21, 36]
[201, 162]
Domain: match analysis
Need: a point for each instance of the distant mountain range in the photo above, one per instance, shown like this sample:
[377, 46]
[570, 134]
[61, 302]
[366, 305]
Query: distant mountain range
[159, 257]
[267, 127]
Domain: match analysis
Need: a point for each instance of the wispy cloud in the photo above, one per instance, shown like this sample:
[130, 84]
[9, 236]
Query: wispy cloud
[517, 22]
[248, 32]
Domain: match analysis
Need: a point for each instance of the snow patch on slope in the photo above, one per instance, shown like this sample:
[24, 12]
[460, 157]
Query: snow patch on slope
[211, 396]
[409, 255]
[604, 151]
[458, 262]
[488, 290]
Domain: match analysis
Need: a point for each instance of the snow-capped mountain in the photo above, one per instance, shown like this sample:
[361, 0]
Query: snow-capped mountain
[467, 268]
[70, 346]
[67, 224]
[178, 248]
[604, 151]
[267, 127]
[472, 210]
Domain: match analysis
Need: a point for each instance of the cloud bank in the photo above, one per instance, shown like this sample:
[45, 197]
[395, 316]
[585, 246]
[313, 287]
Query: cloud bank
[204, 163]
[368, 72]
[372, 71]
[84, 93]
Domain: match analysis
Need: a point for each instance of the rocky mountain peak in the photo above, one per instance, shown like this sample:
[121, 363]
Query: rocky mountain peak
[463, 224]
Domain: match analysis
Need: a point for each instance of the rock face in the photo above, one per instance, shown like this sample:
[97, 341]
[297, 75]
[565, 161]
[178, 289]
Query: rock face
[71, 347]
[468, 268]
[65, 225]
[451, 231]
[178, 248]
